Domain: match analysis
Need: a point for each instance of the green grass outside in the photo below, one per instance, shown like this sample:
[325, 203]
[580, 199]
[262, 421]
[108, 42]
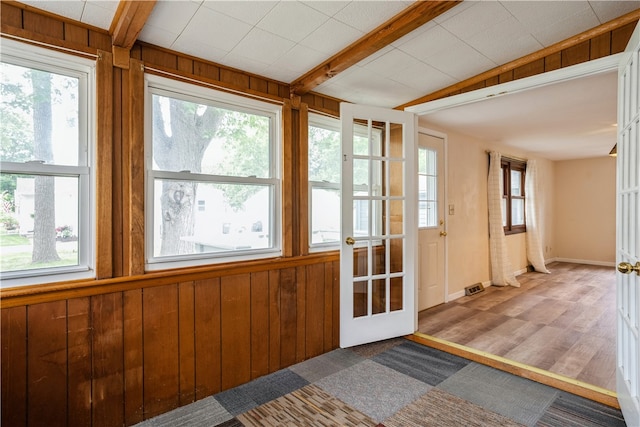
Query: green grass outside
[13, 240]
[22, 261]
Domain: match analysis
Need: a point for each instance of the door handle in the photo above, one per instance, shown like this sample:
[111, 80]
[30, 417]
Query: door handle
[349, 240]
[443, 233]
[627, 268]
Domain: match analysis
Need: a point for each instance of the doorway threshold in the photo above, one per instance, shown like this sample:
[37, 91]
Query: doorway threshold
[570, 385]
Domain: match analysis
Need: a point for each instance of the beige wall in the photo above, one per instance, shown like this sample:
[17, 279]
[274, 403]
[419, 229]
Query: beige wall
[468, 232]
[585, 219]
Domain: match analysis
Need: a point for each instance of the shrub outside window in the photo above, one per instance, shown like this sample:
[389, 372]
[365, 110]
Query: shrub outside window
[46, 231]
[213, 186]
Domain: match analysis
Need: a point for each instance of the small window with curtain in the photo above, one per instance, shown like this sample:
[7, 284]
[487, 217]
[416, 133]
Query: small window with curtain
[513, 213]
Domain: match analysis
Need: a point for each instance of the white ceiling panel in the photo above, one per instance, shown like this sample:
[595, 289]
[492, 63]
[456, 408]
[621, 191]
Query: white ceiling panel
[331, 37]
[171, 16]
[367, 15]
[263, 46]
[479, 17]
[214, 29]
[423, 78]
[608, 10]
[70, 9]
[292, 20]
[461, 61]
[429, 43]
[99, 13]
[329, 8]
[250, 12]
[566, 27]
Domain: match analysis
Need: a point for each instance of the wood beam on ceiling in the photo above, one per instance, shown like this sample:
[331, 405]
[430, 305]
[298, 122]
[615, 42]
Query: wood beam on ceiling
[416, 15]
[127, 23]
[555, 48]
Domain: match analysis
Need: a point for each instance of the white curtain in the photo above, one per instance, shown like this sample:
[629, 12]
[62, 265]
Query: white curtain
[534, 239]
[501, 270]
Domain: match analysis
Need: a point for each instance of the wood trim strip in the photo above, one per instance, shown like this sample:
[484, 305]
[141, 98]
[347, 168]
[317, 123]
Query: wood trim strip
[403, 23]
[134, 165]
[303, 179]
[104, 168]
[15, 297]
[528, 59]
[287, 180]
[560, 382]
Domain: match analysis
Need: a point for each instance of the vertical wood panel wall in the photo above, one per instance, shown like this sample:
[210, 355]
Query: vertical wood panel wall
[129, 348]
[121, 357]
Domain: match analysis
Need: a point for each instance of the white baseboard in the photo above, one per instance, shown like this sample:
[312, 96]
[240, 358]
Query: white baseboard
[586, 261]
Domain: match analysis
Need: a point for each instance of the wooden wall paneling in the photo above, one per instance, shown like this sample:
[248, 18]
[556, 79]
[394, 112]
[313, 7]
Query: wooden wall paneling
[99, 40]
[620, 37]
[108, 368]
[11, 15]
[259, 324]
[553, 61]
[207, 70]
[42, 24]
[47, 364]
[600, 46]
[234, 78]
[287, 179]
[104, 152]
[507, 76]
[133, 357]
[302, 166]
[161, 57]
[13, 365]
[473, 87]
[327, 320]
[258, 84]
[135, 165]
[288, 316]
[336, 303]
[314, 310]
[235, 295]
[273, 88]
[186, 334]
[185, 64]
[301, 318]
[120, 178]
[161, 356]
[79, 337]
[207, 337]
[576, 54]
[492, 81]
[274, 320]
[530, 69]
[76, 34]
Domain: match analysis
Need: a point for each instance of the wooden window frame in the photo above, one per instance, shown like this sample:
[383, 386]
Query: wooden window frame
[508, 165]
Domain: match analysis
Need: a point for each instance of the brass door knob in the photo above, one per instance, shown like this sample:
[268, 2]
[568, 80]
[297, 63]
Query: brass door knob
[627, 268]
[349, 240]
[443, 233]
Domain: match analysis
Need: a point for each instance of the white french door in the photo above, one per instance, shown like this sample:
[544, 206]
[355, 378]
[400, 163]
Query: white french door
[628, 233]
[379, 226]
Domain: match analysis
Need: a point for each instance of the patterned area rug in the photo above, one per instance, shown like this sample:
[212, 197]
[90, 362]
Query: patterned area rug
[390, 384]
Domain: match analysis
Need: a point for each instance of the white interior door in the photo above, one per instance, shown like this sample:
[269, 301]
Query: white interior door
[431, 221]
[379, 227]
[628, 233]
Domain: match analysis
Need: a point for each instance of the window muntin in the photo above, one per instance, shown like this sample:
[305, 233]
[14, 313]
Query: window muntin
[325, 159]
[47, 178]
[212, 178]
[427, 188]
[513, 197]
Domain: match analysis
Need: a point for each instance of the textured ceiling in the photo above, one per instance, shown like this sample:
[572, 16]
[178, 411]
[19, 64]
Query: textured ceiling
[283, 40]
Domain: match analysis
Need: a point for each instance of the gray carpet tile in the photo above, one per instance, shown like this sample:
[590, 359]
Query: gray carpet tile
[569, 410]
[441, 409]
[261, 390]
[231, 423]
[324, 365]
[202, 413]
[373, 389]
[522, 400]
[420, 362]
[371, 349]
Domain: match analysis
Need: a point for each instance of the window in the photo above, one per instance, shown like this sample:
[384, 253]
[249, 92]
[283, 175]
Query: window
[427, 187]
[46, 231]
[325, 162]
[212, 176]
[513, 172]
[324, 182]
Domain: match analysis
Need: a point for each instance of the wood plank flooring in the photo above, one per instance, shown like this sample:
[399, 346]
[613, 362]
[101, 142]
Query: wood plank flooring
[563, 322]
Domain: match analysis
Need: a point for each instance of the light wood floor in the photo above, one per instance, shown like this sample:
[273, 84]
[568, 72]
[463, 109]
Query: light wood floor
[563, 322]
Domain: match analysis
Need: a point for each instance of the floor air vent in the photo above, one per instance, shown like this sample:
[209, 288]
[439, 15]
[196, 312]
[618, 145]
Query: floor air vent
[473, 289]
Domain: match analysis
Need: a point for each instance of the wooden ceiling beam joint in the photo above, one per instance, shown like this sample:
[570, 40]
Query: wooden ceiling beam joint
[127, 23]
